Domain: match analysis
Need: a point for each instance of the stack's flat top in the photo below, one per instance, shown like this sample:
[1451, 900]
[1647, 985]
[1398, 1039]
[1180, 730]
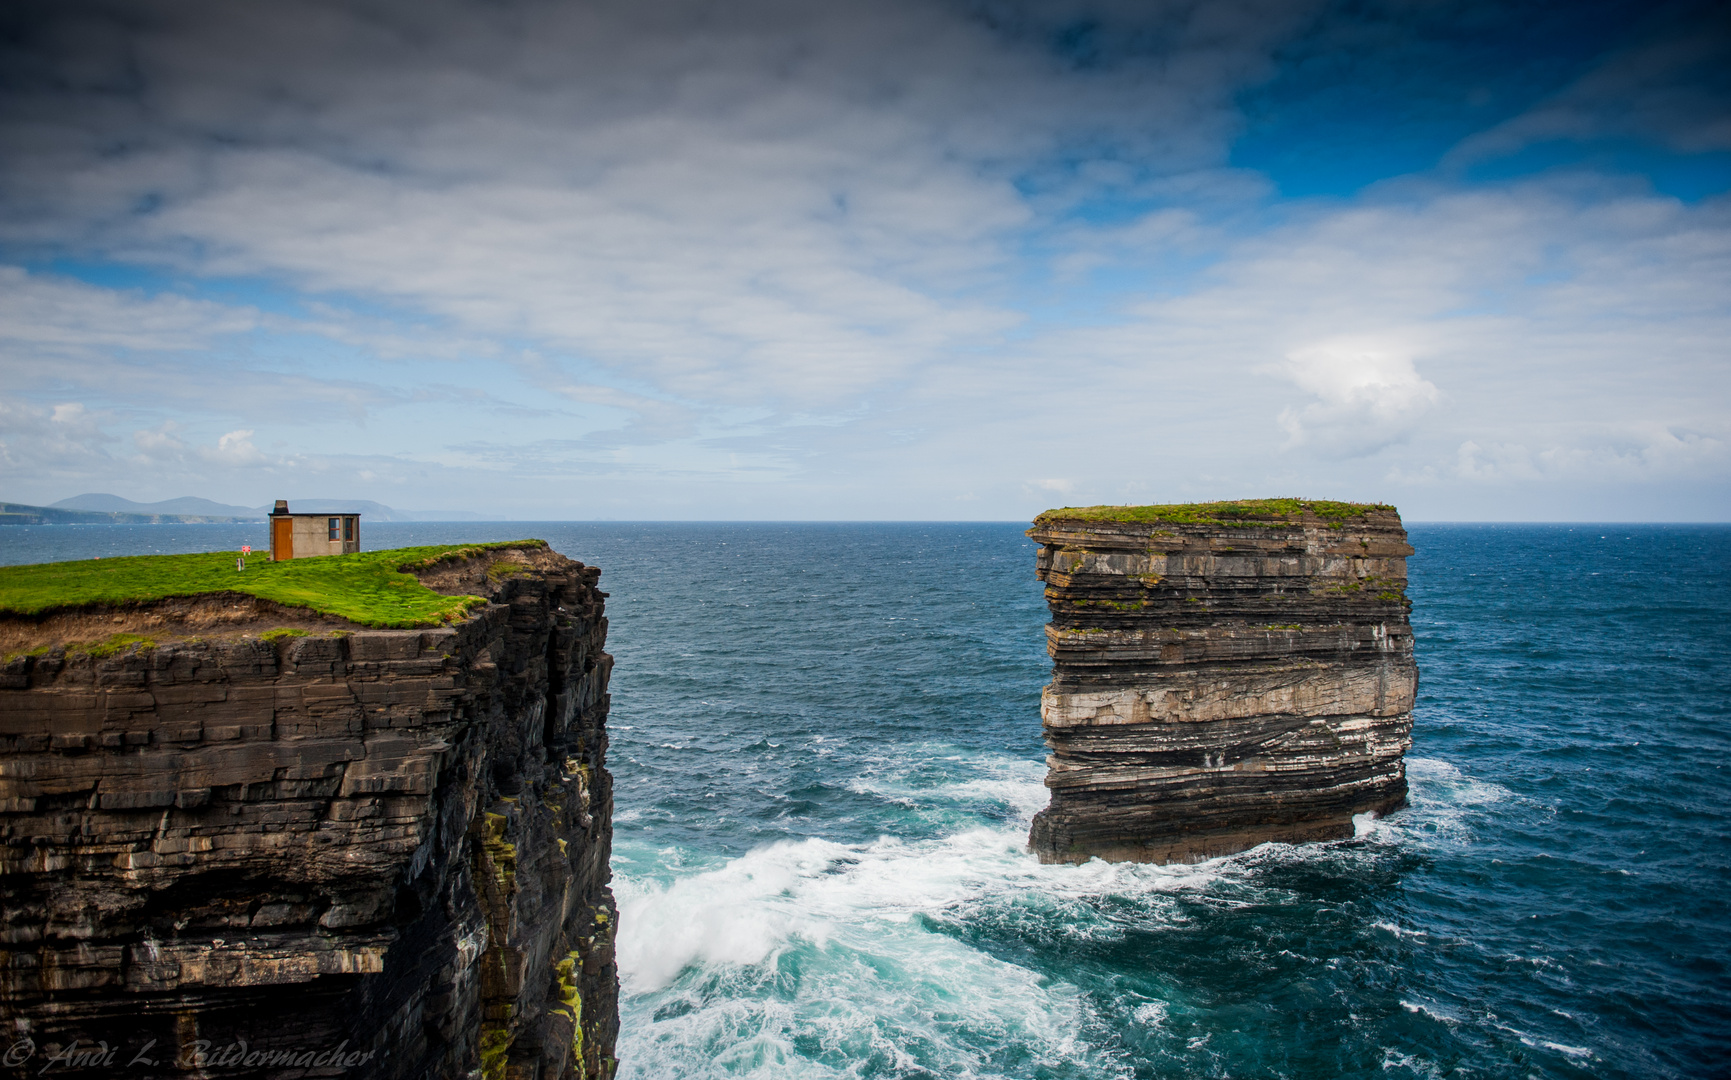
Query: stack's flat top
[1238, 512]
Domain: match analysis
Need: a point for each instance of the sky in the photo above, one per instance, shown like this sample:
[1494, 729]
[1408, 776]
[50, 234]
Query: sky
[905, 259]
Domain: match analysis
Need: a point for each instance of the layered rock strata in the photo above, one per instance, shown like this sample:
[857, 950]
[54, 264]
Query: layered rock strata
[1223, 675]
[322, 852]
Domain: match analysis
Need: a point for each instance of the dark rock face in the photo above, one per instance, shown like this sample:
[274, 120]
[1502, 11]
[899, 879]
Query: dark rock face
[1219, 685]
[389, 847]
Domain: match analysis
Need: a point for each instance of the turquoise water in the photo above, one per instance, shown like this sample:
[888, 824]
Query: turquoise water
[826, 745]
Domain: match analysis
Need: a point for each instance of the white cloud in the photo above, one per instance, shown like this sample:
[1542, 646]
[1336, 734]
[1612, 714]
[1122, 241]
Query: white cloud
[56, 316]
[234, 448]
[160, 443]
[803, 204]
[64, 440]
[1368, 394]
[582, 256]
[1629, 455]
[146, 352]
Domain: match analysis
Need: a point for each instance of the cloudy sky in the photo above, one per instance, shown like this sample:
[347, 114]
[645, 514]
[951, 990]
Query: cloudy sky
[908, 259]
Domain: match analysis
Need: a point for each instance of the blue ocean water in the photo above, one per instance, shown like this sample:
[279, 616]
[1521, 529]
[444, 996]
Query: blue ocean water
[826, 747]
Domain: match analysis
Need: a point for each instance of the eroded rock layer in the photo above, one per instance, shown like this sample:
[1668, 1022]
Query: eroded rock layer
[233, 855]
[1223, 675]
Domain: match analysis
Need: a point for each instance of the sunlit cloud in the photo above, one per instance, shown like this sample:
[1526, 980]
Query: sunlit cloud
[1368, 395]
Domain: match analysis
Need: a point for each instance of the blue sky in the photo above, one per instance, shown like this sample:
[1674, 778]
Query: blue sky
[904, 260]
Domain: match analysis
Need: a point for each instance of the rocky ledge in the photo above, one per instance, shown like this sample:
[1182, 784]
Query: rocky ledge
[323, 850]
[1224, 675]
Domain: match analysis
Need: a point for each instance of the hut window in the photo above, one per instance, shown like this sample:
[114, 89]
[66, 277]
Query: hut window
[333, 532]
[348, 528]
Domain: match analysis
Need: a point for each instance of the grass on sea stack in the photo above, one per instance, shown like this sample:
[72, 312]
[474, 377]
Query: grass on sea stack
[372, 588]
[1243, 512]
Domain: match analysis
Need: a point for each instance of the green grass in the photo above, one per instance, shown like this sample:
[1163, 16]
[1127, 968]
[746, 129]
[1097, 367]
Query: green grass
[370, 588]
[1241, 512]
[117, 644]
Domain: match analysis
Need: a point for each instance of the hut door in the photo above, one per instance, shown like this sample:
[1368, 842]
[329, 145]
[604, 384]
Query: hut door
[282, 538]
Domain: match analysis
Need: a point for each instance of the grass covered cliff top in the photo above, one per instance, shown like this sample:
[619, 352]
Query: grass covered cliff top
[373, 588]
[1237, 512]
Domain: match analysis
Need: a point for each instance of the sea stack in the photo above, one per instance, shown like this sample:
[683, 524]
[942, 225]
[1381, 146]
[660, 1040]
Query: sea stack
[269, 843]
[1224, 675]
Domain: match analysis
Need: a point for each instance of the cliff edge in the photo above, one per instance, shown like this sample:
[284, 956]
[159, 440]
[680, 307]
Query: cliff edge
[290, 845]
[1224, 674]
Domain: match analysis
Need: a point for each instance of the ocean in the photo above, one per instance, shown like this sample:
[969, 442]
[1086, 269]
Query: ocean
[826, 745]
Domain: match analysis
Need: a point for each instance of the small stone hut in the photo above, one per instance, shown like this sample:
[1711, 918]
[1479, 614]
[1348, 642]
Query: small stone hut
[298, 536]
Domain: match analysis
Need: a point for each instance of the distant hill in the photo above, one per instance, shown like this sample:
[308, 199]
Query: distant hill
[184, 505]
[24, 514]
[97, 507]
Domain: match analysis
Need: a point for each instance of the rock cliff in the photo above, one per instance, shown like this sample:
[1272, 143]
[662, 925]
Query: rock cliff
[1223, 675]
[321, 851]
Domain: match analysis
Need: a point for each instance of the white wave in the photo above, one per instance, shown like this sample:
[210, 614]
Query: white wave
[1443, 804]
[1019, 794]
[800, 953]
[1441, 781]
[745, 910]
[722, 916]
[1153, 1014]
[802, 959]
[742, 911]
[813, 958]
[1394, 1059]
[1016, 783]
[1401, 931]
[1432, 1011]
[1579, 1053]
